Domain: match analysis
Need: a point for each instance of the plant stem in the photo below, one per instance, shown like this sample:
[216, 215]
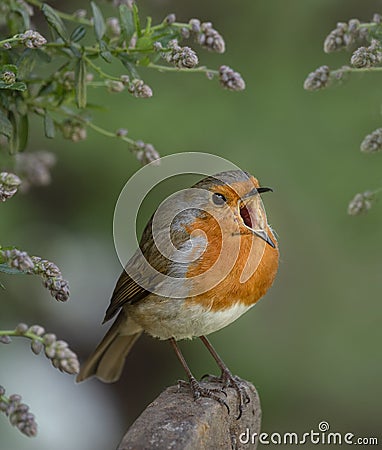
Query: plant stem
[12, 39]
[86, 122]
[27, 334]
[201, 69]
[163, 25]
[377, 191]
[4, 399]
[99, 70]
[356, 70]
[107, 133]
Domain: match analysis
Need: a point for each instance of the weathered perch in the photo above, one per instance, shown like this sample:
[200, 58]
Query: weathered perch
[174, 421]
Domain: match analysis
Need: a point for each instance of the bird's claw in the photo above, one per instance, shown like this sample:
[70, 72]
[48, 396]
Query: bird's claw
[228, 380]
[235, 382]
[199, 391]
[208, 377]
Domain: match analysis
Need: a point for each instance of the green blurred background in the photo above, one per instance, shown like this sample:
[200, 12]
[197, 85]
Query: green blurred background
[312, 346]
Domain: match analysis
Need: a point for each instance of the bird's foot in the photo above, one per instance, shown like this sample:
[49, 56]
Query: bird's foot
[199, 391]
[233, 381]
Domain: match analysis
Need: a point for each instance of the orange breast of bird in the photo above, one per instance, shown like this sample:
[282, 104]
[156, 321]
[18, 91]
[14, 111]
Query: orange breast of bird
[253, 256]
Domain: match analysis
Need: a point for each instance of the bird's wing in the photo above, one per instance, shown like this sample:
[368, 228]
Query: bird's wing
[129, 290]
[125, 291]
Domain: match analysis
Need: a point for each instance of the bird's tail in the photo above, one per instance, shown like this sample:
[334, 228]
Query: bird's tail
[108, 359]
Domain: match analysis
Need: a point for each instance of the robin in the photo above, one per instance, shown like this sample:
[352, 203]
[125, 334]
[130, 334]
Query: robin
[206, 259]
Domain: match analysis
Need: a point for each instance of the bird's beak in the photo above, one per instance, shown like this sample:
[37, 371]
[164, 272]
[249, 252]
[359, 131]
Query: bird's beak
[265, 237]
[252, 213]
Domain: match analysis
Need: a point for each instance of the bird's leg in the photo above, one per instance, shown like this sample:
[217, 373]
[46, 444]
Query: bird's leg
[227, 378]
[196, 389]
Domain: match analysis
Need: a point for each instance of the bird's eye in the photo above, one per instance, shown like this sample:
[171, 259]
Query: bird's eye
[218, 199]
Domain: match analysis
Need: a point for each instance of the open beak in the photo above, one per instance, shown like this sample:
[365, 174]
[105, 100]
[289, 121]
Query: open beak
[252, 213]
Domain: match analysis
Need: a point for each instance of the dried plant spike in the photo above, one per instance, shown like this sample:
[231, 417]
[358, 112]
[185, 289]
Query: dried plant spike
[139, 89]
[57, 351]
[170, 19]
[73, 130]
[343, 36]
[318, 79]
[114, 86]
[121, 132]
[185, 32]
[229, 79]
[145, 153]
[18, 259]
[361, 203]
[34, 265]
[372, 142]
[34, 168]
[21, 329]
[208, 37]
[5, 339]
[370, 56]
[181, 57]
[37, 330]
[9, 184]
[195, 25]
[32, 39]
[36, 347]
[18, 413]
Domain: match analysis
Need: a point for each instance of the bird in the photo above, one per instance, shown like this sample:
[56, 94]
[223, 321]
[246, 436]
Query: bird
[206, 256]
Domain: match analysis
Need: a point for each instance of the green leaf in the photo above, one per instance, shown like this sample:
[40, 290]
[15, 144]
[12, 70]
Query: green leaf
[47, 89]
[54, 21]
[19, 137]
[24, 15]
[5, 125]
[45, 57]
[18, 86]
[127, 22]
[96, 107]
[5, 101]
[145, 61]
[21, 106]
[75, 51]
[137, 22]
[148, 31]
[99, 22]
[78, 33]
[23, 130]
[26, 62]
[13, 140]
[81, 83]
[9, 68]
[376, 32]
[106, 56]
[49, 126]
[105, 53]
[144, 43]
[129, 62]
